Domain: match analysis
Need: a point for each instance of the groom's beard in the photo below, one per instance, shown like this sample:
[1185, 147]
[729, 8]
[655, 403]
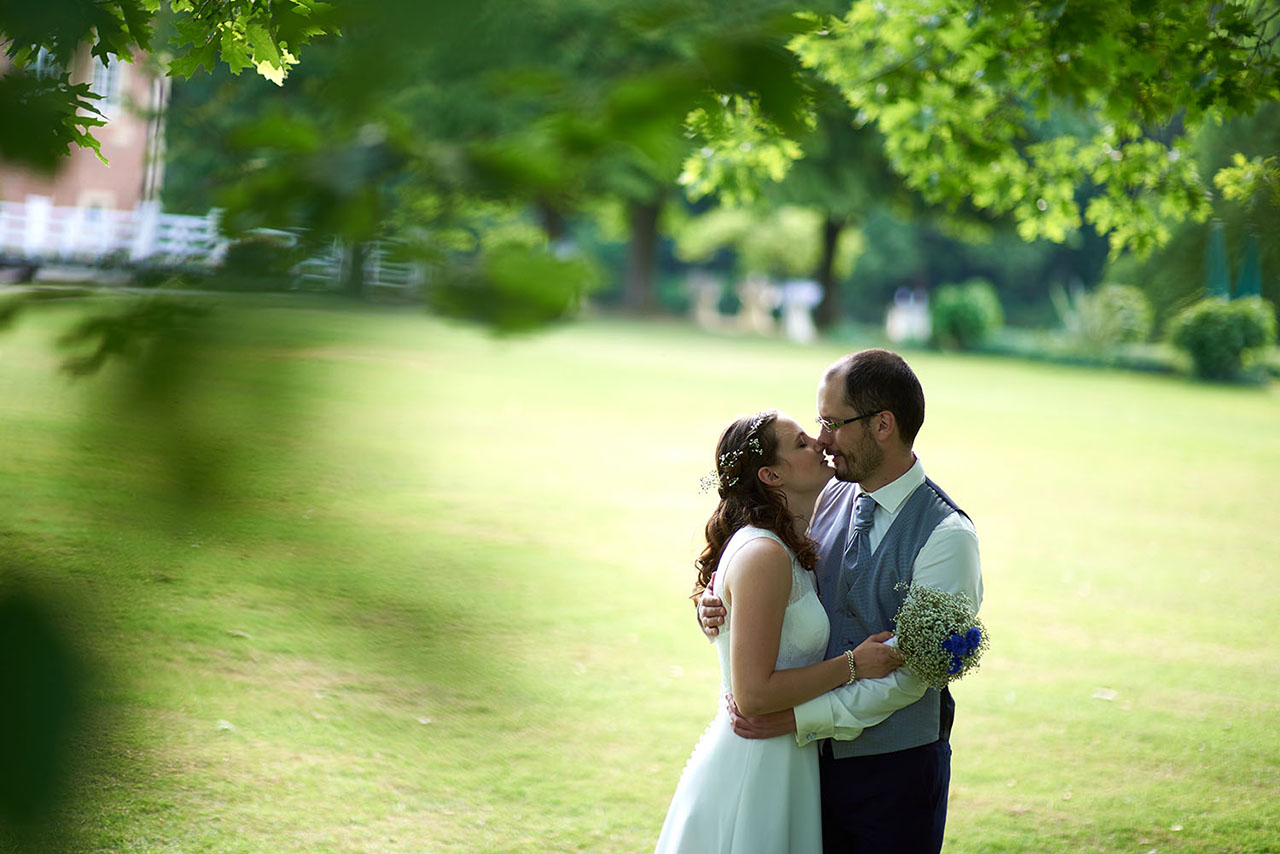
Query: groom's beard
[856, 467]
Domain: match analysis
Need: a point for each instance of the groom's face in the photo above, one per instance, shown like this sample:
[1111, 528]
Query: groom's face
[854, 452]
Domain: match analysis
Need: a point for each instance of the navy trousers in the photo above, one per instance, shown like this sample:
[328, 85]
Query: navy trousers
[894, 803]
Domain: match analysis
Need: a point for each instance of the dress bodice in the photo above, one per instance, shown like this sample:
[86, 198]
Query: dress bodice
[805, 627]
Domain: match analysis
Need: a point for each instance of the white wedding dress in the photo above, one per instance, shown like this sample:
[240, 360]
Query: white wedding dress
[753, 796]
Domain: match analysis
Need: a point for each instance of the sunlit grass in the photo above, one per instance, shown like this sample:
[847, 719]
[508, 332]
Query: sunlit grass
[433, 596]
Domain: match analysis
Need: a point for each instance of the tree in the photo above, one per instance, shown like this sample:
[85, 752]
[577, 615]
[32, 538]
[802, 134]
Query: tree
[618, 80]
[844, 177]
[1240, 154]
[540, 105]
[780, 242]
[957, 88]
[538, 108]
[46, 113]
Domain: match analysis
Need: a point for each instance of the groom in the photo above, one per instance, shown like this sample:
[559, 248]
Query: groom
[884, 754]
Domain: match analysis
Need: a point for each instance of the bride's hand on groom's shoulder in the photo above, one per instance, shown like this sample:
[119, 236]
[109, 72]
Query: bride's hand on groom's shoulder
[710, 613]
[771, 725]
[873, 658]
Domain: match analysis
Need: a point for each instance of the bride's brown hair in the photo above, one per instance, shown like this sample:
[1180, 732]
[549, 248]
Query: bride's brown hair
[745, 446]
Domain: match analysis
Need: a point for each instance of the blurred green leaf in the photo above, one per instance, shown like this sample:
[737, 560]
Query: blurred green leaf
[42, 682]
[514, 288]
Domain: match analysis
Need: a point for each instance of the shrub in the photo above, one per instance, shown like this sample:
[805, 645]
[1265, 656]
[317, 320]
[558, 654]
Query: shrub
[1122, 315]
[1219, 334]
[261, 262]
[965, 315]
[1102, 320]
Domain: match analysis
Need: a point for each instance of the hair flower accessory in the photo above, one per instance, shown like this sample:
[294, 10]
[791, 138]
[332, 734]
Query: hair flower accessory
[939, 634]
[727, 472]
[709, 482]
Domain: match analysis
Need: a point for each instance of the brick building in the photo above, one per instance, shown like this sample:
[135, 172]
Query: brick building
[134, 97]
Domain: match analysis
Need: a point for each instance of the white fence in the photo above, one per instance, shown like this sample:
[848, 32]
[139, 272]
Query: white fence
[36, 233]
[381, 268]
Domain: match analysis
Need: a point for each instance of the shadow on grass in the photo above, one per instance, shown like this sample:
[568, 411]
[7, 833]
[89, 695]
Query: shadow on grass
[52, 681]
[200, 427]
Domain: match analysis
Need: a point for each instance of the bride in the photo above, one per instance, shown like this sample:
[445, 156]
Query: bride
[761, 795]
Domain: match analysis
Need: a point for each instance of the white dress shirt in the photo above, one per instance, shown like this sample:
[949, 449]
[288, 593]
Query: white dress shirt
[948, 562]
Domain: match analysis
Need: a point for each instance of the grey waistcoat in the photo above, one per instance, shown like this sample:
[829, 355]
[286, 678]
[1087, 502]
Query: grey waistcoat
[872, 601]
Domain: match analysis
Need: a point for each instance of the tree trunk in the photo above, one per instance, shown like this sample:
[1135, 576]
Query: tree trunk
[553, 221]
[829, 311]
[640, 286]
[353, 275]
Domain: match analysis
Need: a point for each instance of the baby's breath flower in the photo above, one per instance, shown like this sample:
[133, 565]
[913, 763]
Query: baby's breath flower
[726, 475]
[939, 634]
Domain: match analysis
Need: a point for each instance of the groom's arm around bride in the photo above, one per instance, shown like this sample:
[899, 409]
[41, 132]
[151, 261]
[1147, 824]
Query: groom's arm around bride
[885, 755]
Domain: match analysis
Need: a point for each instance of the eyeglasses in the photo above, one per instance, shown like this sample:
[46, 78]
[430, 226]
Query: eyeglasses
[833, 426]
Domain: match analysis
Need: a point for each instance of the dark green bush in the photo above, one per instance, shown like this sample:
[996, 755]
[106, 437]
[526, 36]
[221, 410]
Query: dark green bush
[1218, 334]
[261, 262]
[965, 315]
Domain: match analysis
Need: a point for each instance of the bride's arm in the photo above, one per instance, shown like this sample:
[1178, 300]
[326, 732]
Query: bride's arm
[757, 587]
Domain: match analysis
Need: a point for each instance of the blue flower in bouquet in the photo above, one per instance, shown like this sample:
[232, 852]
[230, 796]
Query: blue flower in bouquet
[957, 646]
[939, 634]
[960, 647]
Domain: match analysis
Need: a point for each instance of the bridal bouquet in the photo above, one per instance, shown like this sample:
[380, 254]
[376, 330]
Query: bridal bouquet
[939, 635]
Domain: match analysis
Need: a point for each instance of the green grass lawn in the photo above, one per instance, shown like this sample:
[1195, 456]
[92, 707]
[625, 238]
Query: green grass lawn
[411, 588]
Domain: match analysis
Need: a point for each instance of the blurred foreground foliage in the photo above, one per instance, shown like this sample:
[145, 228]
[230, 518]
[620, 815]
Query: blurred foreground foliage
[487, 143]
[473, 132]
[433, 106]
[432, 122]
[43, 680]
[172, 424]
[1056, 121]
[46, 112]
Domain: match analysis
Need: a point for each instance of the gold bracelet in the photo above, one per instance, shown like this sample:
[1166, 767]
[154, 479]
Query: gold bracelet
[853, 674]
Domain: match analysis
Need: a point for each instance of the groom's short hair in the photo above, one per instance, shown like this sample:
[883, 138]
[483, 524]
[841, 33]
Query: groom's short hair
[876, 380]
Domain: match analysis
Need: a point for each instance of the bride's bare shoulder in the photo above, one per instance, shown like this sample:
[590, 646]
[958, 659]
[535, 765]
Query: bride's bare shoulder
[762, 561]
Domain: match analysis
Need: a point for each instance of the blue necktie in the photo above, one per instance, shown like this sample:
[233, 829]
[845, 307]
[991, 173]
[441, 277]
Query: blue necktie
[864, 510]
[857, 551]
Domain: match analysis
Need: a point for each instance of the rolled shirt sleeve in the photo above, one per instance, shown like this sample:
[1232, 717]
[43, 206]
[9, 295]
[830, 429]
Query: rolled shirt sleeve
[948, 562]
[845, 712]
